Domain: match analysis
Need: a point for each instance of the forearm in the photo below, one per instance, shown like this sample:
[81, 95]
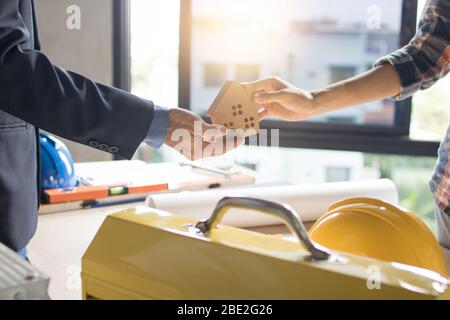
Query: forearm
[378, 83]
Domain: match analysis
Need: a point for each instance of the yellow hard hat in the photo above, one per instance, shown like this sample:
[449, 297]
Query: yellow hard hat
[379, 230]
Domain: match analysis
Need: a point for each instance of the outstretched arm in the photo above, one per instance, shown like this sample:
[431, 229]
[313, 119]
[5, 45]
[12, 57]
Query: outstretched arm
[283, 100]
[416, 66]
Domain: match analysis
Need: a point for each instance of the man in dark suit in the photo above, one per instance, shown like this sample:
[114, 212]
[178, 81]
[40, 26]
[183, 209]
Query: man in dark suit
[34, 94]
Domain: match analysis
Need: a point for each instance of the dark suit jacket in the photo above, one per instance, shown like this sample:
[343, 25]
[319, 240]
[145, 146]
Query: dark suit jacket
[34, 93]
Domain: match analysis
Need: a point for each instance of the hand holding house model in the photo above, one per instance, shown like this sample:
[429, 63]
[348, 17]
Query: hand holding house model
[235, 109]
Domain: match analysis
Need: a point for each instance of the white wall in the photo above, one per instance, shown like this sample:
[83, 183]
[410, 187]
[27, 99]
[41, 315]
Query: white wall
[88, 51]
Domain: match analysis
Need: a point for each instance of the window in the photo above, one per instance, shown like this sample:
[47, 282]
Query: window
[337, 174]
[298, 45]
[246, 72]
[431, 107]
[338, 73]
[155, 54]
[214, 75]
[309, 43]
[342, 119]
[431, 111]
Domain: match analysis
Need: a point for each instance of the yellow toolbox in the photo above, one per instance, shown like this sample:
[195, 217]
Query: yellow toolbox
[143, 253]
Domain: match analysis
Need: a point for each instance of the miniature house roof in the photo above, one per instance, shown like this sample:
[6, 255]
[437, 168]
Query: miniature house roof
[234, 108]
[230, 94]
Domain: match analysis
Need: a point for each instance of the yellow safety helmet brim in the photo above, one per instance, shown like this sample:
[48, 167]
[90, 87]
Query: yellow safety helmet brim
[379, 230]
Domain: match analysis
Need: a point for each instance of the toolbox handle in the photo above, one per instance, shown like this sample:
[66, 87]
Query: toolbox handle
[282, 211]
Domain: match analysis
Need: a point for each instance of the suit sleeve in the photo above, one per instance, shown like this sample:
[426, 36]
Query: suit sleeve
[63, 102]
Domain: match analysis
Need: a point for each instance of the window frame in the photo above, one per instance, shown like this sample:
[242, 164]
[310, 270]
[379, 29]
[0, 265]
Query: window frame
[121, 44]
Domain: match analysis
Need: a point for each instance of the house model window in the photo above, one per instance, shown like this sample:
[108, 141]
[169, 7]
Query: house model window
[235, 109]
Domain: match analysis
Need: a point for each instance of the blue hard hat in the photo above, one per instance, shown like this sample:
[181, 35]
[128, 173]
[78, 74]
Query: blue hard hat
[57, 169]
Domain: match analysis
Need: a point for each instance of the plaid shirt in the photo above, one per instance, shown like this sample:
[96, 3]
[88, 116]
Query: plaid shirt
[420, 64]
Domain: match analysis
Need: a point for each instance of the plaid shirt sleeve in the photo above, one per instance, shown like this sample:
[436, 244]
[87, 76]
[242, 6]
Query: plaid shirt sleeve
[426, 58]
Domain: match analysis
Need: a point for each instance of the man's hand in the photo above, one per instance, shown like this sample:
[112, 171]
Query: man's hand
[282, 100]
[195, 139]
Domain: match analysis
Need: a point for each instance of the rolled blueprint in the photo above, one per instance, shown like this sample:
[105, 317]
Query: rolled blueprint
[310, 201]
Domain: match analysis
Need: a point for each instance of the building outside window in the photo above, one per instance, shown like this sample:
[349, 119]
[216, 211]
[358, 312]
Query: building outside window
[337, 174]
[339, 73]
[246, 72]
[215, 74]
[303, 37]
